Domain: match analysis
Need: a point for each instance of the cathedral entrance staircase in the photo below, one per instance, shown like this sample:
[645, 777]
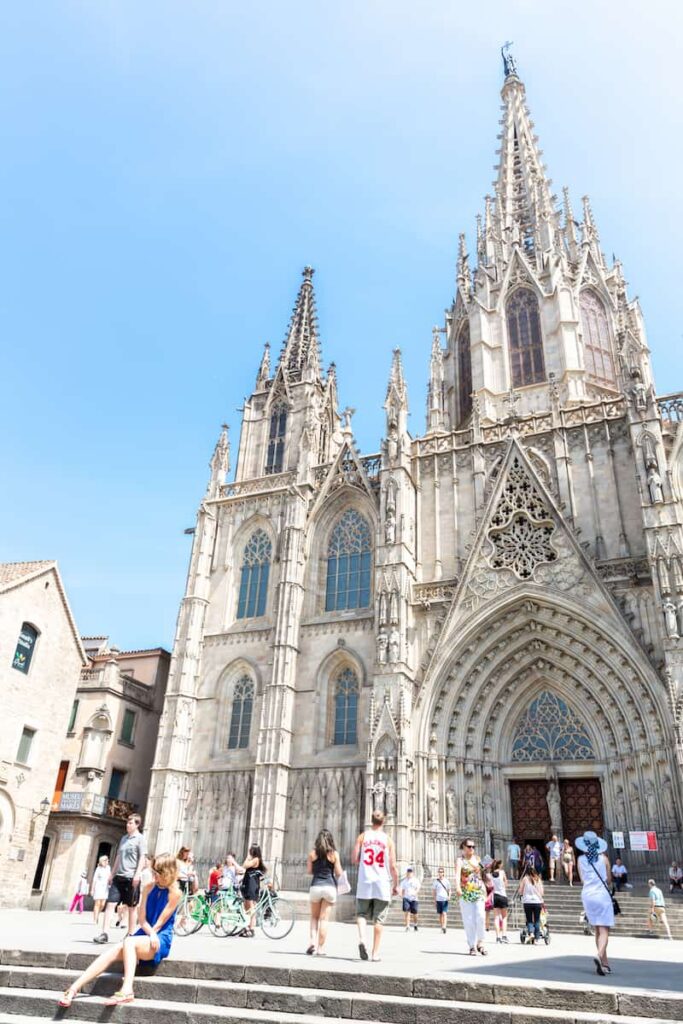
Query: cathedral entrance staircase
[227, 993]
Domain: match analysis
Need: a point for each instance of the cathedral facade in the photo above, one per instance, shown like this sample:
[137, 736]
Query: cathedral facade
[479, 629]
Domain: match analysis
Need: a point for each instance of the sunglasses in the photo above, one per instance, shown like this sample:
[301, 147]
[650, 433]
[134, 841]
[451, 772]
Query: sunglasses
[469, 846]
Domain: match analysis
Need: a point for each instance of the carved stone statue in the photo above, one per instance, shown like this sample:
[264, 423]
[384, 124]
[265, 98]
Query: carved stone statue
[390, 799]
[489, 810]
[554, 805]
[394, 646]
[639, 391]
[390, 528]
[636, 810]
[509, 62]
[450, 807]
[379, 795]
[670, 620]
[620, 807]
[432, 803]
[654, 486]
[470, 808]
[382, 642]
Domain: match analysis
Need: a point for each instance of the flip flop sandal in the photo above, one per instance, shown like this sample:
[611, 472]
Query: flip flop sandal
[598, 966]
[310, 951]
[484, 952]
[66, 999]
[120, 998]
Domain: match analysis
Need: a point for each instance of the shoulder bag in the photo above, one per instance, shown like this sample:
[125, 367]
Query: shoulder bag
[615, 902]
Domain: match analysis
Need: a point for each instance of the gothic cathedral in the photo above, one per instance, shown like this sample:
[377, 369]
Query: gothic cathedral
[480, 629]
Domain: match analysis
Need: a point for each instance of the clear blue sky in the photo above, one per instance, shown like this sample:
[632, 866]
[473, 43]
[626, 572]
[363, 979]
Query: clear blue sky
[167, 170]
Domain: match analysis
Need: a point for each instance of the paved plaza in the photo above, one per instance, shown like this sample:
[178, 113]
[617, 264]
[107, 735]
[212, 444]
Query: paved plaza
[638, 964]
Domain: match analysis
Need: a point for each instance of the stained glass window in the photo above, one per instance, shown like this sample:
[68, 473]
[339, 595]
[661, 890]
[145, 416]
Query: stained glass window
[240, 720]
[464, 372]
[346, 707]
[276, 439]
[254, 576]
[348, 564]
[597, 345]
[26, 643]
[525, 339]
[550, 731]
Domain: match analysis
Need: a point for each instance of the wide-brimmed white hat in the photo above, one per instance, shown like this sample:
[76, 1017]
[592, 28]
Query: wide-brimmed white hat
[590, 842]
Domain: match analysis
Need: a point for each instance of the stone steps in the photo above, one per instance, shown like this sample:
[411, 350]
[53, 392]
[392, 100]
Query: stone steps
[205, 993]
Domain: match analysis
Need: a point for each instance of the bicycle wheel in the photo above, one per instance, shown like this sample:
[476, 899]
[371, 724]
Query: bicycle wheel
[277, 919]
[184, 923]
[197, 912]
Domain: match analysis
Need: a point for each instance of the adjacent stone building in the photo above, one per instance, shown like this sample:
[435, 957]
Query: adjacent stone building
[104, 771]
[41, 656]
[477, 629]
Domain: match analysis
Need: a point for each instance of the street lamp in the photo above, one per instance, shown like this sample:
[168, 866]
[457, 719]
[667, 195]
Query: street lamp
[43, 810]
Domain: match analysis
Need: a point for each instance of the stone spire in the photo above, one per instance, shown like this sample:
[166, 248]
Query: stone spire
[220, 463]
[263, 375]
[436, 397]
[300, 356]
[463, 274]
[396, 402]
[590, 232]
[524, 205]
[569, 226]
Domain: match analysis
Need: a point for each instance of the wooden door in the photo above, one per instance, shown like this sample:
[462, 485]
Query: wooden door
[60, 784]
[581, 807]
[530, 815]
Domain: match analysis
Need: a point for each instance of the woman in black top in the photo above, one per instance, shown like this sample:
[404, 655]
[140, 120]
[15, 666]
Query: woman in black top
[254, 870]
[324, 865]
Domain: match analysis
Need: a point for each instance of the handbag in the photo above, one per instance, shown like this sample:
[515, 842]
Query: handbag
[343, 884]
[615, 902]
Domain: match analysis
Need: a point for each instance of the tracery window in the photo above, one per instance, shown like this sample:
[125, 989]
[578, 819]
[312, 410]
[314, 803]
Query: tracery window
[521, 526]
[240, 719]
[525, 338]
[550, 731]
[276, 439]
[346, 707]
[464, 372]
[597, 344]
[254, 576]
[348, 564]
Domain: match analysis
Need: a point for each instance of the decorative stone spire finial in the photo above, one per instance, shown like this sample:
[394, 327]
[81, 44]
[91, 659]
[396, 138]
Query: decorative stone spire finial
[300, 356]
[264, 369]
[569, 225]
[396, 401]
[436, 397]
[219, 464]
[463, 273]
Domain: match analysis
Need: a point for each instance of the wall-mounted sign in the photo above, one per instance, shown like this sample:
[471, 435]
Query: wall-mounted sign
[618, 841]
[643, 841]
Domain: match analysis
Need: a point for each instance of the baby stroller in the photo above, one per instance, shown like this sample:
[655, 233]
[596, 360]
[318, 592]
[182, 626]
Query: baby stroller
[544, 929]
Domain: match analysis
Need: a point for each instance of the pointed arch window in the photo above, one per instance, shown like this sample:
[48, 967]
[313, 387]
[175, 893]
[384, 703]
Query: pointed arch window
[276, 438]
[240, 718]
[464, 355]
[254, 576]
[525, 338]
[597, 343]
[550, 731]
[346, 692]
[348, 564]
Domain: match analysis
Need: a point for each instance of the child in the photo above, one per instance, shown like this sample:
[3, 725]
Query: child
[410, 888]
[81, 892]
[100, 887]
[151, 942]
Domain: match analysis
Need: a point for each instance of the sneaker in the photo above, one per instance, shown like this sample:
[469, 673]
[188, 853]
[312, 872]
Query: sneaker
[101, 939]
[414, 927]
[363, 951]
[407, 928]
[504, 938]
[443, 930]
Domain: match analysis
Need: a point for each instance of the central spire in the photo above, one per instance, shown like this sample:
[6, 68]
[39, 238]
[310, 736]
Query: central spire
[301, 349]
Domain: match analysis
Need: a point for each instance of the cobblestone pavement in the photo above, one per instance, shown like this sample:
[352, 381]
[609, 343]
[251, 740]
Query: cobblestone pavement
[643, 964]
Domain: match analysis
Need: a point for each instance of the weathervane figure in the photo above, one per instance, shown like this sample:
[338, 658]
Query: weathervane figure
[509, 62]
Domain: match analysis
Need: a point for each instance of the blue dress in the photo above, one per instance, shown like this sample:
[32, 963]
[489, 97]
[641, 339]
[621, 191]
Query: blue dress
[157, 898]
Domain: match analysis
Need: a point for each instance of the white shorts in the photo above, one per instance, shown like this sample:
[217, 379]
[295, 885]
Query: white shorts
[322, 892]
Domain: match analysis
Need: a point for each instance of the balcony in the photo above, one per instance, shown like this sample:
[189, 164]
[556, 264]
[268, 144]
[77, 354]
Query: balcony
[96, 805]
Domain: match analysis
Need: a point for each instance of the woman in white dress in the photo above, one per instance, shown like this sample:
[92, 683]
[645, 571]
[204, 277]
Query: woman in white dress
[100, 887]
[596, 895]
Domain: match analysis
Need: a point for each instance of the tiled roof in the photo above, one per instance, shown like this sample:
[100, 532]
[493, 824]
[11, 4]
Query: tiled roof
[10, 572]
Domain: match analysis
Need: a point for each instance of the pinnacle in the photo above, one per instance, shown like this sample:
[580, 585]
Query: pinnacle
[301, 349]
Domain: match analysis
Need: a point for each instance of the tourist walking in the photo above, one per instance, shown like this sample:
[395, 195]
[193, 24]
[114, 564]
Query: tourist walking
[377, 882]
[620, 875]
[568, 861]
[325, 867]
[409, 889]
[514, 855]
[441, 888]
[675, 877]
[100, 887]
[254, 871]
[124, 884]
[500, 900]
[531, 860]
[531, 892]
[82, 890]
[151, 942]
[657, 914]
[469, 885]
[596, 879]
[554, 848]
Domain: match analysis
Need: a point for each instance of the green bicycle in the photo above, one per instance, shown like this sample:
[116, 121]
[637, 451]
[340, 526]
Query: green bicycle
[275, 916]
[196, 910]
